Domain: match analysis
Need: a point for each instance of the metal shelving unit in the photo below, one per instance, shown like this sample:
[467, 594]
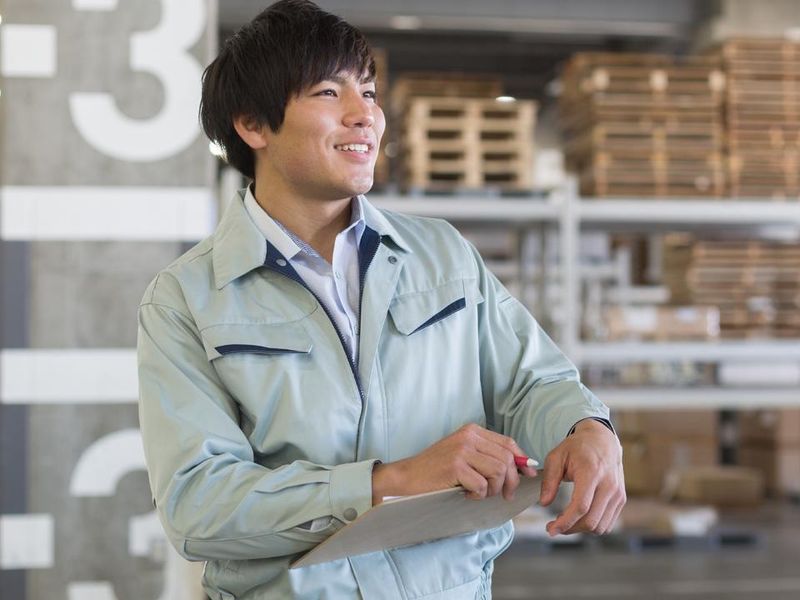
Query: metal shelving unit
[569, 214]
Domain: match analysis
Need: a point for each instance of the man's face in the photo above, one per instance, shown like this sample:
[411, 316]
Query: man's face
[328, 143]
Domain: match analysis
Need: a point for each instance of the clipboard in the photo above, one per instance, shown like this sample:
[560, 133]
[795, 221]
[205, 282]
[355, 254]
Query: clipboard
[409, 520]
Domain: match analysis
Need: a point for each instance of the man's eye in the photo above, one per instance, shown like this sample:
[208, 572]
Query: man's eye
[371, 94]
[327, 92]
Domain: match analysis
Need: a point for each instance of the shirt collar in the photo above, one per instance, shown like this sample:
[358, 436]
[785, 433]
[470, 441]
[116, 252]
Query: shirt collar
[239, 243]
[284, 239]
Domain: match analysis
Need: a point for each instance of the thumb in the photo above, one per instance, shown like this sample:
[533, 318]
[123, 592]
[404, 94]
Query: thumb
[553, 473]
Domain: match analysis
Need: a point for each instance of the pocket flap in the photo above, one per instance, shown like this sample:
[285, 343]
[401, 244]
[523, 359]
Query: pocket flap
[258, 338]
[417, 310]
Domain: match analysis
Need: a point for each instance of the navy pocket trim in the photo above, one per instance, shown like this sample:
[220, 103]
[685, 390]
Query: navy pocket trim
[252, 349]
[445, 312]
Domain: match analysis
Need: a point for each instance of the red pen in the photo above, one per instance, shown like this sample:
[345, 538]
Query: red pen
[524, 461]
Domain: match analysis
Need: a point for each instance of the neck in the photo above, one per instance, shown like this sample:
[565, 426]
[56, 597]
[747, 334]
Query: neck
[316, 222]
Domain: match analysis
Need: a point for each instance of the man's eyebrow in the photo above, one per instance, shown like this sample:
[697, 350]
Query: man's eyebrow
[341, 80]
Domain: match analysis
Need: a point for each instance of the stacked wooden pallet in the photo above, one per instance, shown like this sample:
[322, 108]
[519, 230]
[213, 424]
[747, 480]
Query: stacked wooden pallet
[763, 117]
[644, 125]
[457, 136]
[466, 143]
[755, 284]
[438, 85]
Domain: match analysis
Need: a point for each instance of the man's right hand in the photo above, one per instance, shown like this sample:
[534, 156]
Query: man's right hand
[473, 457]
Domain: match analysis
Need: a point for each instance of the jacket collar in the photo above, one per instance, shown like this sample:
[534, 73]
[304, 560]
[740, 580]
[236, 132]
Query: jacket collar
[240, 247]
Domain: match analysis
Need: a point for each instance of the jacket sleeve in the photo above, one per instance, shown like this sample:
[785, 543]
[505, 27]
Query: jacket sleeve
[531, 391]
[213, 499]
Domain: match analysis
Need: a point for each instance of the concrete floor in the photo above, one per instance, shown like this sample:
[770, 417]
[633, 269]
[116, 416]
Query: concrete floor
[765, 569]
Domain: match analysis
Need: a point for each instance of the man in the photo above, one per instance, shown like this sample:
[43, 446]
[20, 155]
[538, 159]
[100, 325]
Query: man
[316, 354]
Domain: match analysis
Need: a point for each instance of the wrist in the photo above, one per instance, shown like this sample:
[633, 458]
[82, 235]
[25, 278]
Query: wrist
[591, 424]
[384, 477]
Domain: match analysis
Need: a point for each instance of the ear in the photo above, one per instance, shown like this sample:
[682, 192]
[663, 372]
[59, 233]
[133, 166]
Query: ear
[251, 132]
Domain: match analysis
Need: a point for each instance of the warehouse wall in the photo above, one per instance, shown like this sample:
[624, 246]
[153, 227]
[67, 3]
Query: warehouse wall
[105, 177]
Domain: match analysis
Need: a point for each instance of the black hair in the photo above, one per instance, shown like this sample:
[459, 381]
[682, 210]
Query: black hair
[290, 46]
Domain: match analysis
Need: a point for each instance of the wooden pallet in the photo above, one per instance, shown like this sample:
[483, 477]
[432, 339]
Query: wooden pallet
[442, 84]
[642, 178]
[761, 48]
[592, 71]
[458, 143]
[695, 141]
[760, 141]
[606, 189]
[635, 160]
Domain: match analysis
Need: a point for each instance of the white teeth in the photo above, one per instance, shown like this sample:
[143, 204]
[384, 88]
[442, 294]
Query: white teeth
[353, 147]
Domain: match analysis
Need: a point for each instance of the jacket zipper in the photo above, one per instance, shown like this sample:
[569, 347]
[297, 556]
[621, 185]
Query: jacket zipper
[370, 247]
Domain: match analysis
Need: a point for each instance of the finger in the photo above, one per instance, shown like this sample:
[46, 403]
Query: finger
[616, 515]
[496, 438]
[495, 471]
[510, 475]
[607, 521]
[473, 482]
[553, 474]
[501, 447]
[618, 499]
[602, 505]
[580, 504]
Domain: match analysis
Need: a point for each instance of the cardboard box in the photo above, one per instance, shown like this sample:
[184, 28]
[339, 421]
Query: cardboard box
[675, 423]
[775, 427]
[662, 518]
[780, 467]
[717, 485]
[647, 460]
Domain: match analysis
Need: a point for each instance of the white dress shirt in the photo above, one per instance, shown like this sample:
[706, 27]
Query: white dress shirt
[335, 284]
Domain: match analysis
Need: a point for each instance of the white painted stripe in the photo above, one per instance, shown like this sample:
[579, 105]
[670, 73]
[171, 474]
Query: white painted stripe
[106, 213]
[94, 4]
[28, 50]
[26, 541]
[73, 376]
[91, 590]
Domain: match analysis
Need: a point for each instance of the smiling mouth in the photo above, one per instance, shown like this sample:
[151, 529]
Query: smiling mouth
[359, 148]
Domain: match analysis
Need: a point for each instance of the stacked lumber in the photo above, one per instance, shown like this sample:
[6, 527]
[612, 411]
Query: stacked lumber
[755, 284]
[467, 143]
[644, 125]
[763, 117]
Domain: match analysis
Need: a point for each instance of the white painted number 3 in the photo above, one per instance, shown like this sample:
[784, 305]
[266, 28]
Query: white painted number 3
[96, 475]
[163, 52]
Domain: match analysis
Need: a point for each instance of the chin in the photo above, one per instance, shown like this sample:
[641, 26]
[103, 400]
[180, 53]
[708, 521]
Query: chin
[361, 186]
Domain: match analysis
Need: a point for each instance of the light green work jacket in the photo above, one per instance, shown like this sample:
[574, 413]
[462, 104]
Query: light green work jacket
[256, 422]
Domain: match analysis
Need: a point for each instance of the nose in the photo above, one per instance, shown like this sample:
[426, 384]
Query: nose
[358, 111]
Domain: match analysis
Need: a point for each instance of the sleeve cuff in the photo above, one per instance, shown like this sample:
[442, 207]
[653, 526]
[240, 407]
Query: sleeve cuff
[605, 422]
[351, 490]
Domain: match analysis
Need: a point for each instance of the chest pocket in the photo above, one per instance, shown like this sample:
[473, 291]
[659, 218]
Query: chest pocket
[416, 311]
[268, 339]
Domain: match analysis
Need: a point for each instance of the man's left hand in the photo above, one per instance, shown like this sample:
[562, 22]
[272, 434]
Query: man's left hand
[591, 458]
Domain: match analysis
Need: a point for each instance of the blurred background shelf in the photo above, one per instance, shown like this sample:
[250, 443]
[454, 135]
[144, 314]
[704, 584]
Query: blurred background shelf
[701, 212]
[724, 350]
[660, 398]
[471, 207]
